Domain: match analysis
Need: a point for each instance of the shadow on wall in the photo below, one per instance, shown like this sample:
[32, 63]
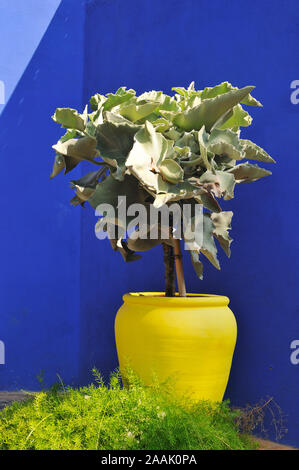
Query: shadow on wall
[22, 26]
[40, 265]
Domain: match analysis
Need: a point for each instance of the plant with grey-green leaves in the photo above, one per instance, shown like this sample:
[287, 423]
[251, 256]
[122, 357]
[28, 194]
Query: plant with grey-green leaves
[156, 149]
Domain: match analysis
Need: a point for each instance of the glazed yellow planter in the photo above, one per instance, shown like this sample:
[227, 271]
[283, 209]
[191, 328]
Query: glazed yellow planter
[190, 339]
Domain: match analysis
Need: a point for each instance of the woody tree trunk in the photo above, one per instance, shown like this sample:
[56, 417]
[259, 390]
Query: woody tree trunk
[179, 268]
[169, 270]
[173, 258]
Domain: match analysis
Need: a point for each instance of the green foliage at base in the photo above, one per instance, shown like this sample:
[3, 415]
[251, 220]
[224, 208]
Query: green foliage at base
[112, 417]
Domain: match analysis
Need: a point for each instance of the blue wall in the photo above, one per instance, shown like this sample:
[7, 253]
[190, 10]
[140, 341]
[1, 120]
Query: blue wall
[60, 286]
[40, 231]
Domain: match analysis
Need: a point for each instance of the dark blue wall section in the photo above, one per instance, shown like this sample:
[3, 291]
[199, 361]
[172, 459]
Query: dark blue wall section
[60, 286]
[155, 45]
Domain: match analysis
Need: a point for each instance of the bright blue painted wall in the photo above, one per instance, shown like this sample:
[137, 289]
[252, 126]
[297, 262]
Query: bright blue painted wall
[61, 286]
[155, 45]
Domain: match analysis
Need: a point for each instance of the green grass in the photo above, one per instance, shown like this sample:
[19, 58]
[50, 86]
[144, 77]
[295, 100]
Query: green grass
[112, 417]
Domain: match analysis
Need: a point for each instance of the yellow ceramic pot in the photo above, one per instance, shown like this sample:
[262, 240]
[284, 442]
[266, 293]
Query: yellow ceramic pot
[191, 339]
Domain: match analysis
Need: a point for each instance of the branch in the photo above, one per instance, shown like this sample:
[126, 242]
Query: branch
[179, 268]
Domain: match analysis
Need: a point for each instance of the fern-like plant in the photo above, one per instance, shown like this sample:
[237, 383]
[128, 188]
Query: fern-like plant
[157, 149]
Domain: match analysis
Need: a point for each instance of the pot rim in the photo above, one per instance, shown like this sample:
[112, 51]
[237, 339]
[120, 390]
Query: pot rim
[192, 300]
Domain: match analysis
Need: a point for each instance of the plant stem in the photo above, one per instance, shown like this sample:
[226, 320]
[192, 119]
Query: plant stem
[179, 268]
[169, 270]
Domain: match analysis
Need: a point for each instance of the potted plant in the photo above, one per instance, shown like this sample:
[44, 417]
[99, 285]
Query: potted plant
[151, 152]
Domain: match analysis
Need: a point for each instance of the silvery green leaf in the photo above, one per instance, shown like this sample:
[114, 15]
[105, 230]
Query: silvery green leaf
[172, 134]
[75, 201]
[117, 119]
[225, 142]
[82, 194]
[161, 124]
[90, 180]
[162, 198]
[97, 101]
[225, 117]
[134, 112]
[188, 139]
[121, 96]
[247, 173]
[222, 223]
[151, 96]
[191, 87]
[254, 152]
[90, 129]
[70, 134]
[208, 245]
[210, 110]
[107, 192]
[121, 246]
[149, 150]
[71, 163]
[86, 186]
[115, 140]
[239, 118]
[223, 162]
[197, 264]
[221, 183]
[176, 192]
[95, 119]
[85, 115]
[222, 220]
[168, 103]
[76, 150]
[211, 183]
[203, 140]
[120, 169]
[59, 165]
[171, 171]
[227, 183]
[169, 115]
[212, 92]
[182, 152]
[181, 91]
[208, 201]
[164, 102]
[187, 98]
[69, 118]
[193, 101]
[83, 148]
[198, 161]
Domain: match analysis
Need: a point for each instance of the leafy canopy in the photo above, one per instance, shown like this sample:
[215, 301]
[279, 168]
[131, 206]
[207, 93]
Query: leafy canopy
[156, 149]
